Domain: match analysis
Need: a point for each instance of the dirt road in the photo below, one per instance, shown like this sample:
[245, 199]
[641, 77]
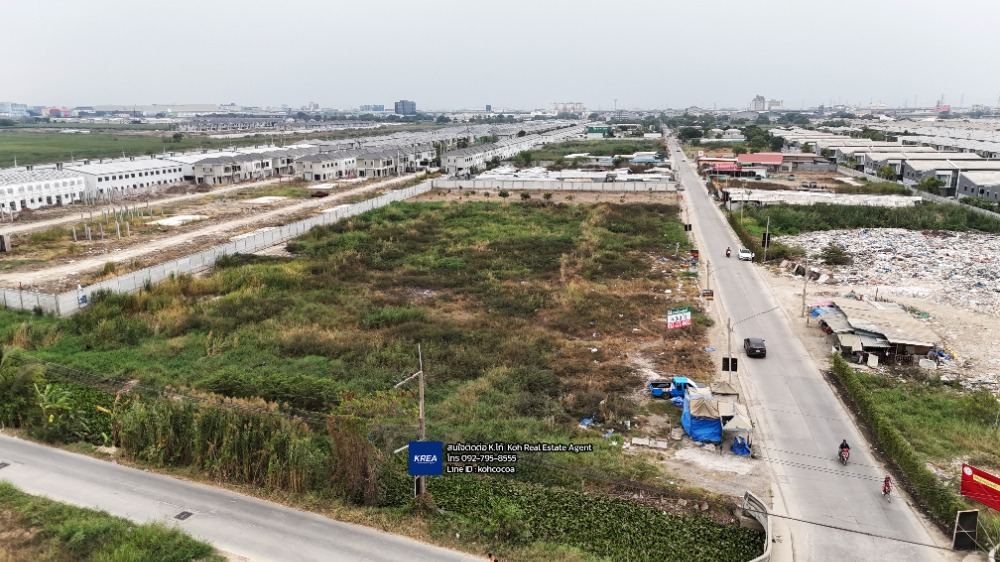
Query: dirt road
[64, 272]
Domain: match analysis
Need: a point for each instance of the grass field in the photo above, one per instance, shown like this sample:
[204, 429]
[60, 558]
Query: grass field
[33, 146]
[524, 312]
[38, 529]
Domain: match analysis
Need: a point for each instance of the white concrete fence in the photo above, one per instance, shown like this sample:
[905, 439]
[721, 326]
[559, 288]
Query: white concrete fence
[542, 185]
[65, 304]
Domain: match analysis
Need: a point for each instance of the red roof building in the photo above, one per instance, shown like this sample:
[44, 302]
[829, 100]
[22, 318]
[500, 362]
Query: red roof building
[768, 159]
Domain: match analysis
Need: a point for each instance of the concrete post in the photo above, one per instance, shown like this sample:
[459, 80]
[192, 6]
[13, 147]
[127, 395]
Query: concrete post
[118, 229]
[74, 233]
[128, 231]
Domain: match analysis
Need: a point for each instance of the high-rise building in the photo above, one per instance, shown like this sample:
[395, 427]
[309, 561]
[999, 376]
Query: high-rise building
[372, 107]
[759, 103]
[489, 108]
[775, 104]
[406, 107]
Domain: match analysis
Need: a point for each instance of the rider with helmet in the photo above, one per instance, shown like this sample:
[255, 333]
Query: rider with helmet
[886, 485]
[844, 450]
[728, 251]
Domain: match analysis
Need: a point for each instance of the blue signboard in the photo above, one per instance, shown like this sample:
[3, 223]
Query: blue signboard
[426, 458]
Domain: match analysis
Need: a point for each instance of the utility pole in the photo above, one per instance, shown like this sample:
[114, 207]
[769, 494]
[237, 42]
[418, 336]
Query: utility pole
[708, 263]
[767, 238]
[729, 346]
[420, 482]
[805, 284]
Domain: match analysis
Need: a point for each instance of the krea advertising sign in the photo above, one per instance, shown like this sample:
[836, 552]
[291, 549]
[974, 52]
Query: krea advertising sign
[426, 458]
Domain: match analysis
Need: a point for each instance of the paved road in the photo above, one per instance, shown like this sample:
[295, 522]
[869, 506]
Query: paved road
[246, 527]
[800, 419]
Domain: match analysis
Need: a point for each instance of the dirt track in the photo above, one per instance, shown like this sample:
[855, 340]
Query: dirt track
[151, 251]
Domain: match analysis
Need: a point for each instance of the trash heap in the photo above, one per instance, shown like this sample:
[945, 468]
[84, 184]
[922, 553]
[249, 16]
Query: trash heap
[960, 269]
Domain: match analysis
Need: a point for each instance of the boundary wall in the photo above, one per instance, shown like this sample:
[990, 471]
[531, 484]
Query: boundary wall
[541, 185]
[65, 304]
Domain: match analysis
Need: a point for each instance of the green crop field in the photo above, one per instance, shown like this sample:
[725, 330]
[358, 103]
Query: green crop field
[596, 148]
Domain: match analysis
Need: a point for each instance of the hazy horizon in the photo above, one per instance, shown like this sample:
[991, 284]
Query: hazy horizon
[447, 54]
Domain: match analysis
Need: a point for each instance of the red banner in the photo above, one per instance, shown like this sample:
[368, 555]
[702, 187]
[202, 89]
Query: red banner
[981, 486]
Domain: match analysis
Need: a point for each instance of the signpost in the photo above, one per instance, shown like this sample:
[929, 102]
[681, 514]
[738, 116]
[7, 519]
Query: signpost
[679, 318]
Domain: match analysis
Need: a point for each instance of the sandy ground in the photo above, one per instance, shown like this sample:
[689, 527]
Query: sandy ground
[575, 197]
[229, 217]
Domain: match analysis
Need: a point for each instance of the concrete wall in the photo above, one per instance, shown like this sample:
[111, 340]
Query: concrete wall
[65, 304]
[529, 185]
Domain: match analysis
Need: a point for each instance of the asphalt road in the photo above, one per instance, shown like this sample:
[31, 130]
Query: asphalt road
[249, 528]
[800, 419]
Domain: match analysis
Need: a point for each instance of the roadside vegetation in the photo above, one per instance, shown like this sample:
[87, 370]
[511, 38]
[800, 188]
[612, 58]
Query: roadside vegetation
[927, 429]
[872, 188]
[39, 529]
[523, 311]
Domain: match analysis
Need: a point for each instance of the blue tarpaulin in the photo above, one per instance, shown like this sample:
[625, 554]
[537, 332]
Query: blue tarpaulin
[740, 447]
[701, 419]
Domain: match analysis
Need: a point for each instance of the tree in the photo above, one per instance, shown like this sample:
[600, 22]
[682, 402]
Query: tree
[619, 161]
[739, 149]
[835, 254]
[178, 136]
[886, 172]
[503, 194]
[442, 119]
[777, 143]
[931, 185]
[807, 149]
[523, 159]
[762, 119]
[525, 196]
[547, 197]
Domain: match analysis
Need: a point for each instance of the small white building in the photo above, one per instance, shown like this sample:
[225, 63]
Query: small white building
[32, 189]
[129, 177]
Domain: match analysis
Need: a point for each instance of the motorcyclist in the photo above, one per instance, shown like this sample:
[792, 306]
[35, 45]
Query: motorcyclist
[886, 485]
[728, 251]
[844, 449]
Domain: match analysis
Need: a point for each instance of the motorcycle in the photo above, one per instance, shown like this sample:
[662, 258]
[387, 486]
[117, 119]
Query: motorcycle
[843, 455]
[728, 252]
[887, 492]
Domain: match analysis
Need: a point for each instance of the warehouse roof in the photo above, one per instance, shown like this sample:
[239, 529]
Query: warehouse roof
[19, 177]
[122, 167]
[928, 165]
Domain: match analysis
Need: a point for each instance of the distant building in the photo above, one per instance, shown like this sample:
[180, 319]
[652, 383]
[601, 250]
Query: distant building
[775, 104]
[406, 107]
[11, 109]
[758, 104]
[364, 108]
[489, 108]
[569, 107]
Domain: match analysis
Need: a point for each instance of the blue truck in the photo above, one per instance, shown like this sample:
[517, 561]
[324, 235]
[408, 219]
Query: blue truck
[671, 388]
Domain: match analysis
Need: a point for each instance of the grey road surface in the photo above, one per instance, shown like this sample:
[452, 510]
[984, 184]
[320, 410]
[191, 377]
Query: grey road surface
[249, 528]
[800, 419]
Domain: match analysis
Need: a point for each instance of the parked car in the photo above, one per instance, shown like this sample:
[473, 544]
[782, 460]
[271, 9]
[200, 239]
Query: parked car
[754, 347]
[672, 387]
[745, 255]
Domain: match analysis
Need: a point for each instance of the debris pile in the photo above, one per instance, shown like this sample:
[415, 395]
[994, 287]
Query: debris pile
[960, 269]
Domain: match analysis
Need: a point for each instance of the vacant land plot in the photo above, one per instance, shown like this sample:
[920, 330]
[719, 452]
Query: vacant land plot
[40, 146]
[527, 315]
[608, 147]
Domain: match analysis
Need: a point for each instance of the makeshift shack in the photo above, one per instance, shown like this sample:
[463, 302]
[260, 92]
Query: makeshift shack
[700, 418]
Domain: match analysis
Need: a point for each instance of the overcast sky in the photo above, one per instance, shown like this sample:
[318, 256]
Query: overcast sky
[508, 53]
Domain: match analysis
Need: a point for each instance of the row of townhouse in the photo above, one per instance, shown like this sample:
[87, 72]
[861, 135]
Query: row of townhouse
[468, 161]
[33, 187]
[365, 163]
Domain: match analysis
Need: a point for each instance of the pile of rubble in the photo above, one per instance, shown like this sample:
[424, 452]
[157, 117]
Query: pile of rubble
[960, 269]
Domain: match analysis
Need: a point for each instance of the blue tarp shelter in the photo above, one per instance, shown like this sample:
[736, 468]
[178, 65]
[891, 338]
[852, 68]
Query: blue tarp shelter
[701, 418]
